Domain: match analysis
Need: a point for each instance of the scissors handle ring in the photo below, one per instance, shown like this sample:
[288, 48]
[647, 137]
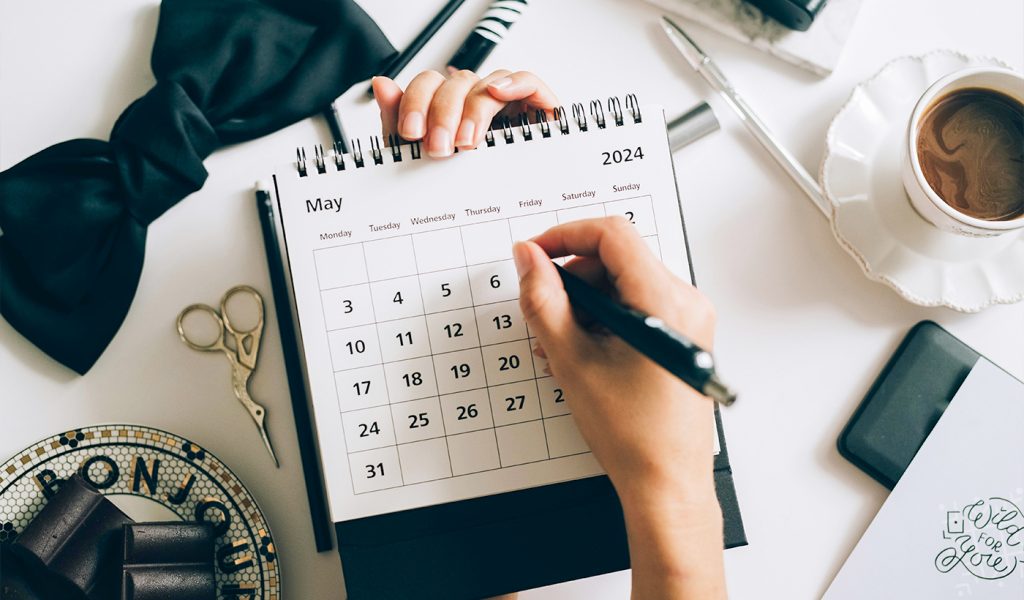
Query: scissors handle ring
[217, 343]
[242, 289]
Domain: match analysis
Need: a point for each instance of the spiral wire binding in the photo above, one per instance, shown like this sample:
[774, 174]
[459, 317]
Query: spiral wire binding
[395, 143]
[505, 125]
[542, 119]
[506, 129]
[633, 106]
[563, 120]
[524, 127]
[579, 114]
[339, 157]
[597, 111]
[357, 154]
[375, 150]
[321, 164]
[615, 107]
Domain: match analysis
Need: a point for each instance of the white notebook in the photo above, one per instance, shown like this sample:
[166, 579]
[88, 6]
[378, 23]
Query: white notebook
[953, 527]
[418, 361]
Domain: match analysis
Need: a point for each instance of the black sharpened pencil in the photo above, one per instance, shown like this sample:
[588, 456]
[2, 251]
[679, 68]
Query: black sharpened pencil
[651, 337]
[489, 30]
[337, 130]
[403, 58]
[321, 518]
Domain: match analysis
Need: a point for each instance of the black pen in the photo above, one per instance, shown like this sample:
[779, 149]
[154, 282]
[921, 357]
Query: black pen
[403, 58]
[490, 30]
[651, 337]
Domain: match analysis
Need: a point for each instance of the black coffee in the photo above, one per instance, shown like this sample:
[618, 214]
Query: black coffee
[971, 150]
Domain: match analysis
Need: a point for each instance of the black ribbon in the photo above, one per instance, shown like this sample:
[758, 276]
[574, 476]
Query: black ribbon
[74, 216]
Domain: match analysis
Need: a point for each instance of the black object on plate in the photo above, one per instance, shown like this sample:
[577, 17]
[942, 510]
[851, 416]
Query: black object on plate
[906, 401]
[168, 560]
[15, 581]
[73, 542]
[794, 14]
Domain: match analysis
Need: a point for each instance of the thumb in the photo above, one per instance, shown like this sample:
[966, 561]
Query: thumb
[542, 297]
[388, 96]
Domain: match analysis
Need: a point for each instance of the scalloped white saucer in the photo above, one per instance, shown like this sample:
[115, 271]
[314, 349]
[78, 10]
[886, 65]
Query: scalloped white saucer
[872, 217]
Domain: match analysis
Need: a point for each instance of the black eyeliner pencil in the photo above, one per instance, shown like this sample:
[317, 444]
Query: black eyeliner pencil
[651, 337]
[489, 30]
[293, 367]
[403, 58]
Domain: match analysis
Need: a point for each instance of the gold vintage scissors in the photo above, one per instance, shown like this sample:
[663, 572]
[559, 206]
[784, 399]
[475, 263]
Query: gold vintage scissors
[241, 349]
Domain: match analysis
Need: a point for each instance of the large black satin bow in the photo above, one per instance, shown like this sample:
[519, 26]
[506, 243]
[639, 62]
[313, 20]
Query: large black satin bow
[73, 217]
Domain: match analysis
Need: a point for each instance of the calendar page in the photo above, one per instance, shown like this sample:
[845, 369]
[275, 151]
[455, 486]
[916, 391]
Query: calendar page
[424, 385]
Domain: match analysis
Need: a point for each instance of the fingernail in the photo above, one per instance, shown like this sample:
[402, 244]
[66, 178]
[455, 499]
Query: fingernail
[467, 132]
[412, 126]
[439, 144]
[502, 83]
[538, 351]
[478, 137]
[523, 258]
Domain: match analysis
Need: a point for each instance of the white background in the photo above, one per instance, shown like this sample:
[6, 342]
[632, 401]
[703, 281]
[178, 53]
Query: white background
[802, 333]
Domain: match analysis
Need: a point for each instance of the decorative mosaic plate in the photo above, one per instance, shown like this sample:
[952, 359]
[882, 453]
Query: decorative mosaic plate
[146, 463]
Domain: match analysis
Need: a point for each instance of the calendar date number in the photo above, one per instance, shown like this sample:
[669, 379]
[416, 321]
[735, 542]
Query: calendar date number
[623, 156]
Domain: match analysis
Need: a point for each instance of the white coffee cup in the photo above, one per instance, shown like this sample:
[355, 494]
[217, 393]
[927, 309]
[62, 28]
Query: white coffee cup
[923, 198]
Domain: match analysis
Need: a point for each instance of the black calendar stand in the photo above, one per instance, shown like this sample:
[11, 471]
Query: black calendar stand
[500, 544]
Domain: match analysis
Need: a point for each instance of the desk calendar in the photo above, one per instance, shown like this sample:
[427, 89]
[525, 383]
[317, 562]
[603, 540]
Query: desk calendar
[424, 386]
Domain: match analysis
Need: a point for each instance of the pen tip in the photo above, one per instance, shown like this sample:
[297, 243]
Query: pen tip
[718, 391]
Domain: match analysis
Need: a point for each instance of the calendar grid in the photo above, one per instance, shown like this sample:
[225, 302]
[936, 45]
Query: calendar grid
[430, 349]
[403, 318]
[392, 362]
[330, 352]
[420, 410]
[487, 387]
[373, 313]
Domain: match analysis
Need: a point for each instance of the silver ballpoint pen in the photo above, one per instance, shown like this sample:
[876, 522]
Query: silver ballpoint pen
[710, 72]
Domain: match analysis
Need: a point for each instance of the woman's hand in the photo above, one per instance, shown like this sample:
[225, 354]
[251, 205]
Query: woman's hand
[649, 429]
[652, 433]
[456, 112]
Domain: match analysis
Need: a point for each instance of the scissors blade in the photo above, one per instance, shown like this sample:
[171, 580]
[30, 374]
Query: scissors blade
[266, 442]
[240, 380]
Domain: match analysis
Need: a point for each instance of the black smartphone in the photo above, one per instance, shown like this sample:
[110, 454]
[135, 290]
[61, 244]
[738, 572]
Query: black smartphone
[906, 401]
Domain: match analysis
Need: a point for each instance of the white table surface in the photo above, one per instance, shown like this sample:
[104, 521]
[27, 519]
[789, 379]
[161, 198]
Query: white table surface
[802, 333]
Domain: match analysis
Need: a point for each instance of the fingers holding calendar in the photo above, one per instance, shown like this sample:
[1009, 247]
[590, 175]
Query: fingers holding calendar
[456, 112]
[388, 96]
[412, 110]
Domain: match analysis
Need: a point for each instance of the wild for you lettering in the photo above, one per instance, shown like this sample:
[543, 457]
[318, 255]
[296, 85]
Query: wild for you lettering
[986, 538]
